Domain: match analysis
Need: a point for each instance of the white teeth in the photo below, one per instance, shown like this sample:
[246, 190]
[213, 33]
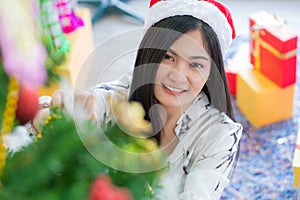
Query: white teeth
[173, 89]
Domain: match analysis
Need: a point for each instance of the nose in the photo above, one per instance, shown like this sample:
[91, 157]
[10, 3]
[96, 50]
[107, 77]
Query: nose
[178, 71]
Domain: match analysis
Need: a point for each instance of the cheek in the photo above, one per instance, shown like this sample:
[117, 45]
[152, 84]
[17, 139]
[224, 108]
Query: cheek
[199, 79]
[197, 85]
[156, 91]
[157, 82]
[204, 73]
[161, 73]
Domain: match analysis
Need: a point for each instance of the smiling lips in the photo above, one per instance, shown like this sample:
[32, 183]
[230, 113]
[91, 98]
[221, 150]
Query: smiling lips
[171, 90]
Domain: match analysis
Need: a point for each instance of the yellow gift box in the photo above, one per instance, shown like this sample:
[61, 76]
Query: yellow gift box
[261, 101]
[296, 161]
[82, 45]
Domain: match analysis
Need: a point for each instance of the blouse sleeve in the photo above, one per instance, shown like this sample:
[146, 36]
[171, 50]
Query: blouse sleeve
[208, 174]
[103, 90]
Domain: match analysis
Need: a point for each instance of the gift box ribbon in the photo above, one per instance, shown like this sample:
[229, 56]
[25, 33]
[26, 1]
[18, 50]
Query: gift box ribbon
[259, 42]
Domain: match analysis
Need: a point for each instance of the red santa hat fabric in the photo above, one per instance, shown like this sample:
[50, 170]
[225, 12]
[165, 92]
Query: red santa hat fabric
[212, 12]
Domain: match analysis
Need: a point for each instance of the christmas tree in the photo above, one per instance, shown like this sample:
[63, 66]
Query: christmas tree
[60, 166]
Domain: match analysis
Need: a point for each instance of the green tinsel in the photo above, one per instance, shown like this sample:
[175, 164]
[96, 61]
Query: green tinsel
[54, 62]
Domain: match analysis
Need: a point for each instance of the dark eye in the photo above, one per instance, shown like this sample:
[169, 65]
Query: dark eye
[196, 65]
[168, 57]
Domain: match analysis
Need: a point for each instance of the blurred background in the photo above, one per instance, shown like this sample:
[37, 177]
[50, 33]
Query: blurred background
[111, 24]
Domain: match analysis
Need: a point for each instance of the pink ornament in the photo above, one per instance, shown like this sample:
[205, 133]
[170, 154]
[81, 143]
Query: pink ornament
[67, 17]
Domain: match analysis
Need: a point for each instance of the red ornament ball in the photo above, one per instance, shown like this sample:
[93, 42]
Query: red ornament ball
[103, 189]
[28, 104]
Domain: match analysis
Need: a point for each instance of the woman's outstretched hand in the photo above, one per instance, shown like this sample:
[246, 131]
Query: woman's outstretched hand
[84, 99]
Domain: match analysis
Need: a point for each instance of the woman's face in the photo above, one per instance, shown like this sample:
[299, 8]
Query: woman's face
[183, 71]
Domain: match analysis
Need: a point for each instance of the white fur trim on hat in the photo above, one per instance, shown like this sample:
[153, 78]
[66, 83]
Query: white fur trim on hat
[203, 10]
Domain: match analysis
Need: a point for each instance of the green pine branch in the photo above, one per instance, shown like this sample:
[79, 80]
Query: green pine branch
[58, 166]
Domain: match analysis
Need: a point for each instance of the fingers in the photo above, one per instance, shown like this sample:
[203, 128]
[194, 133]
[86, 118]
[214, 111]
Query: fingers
[43, 112]
[57, 99]
[39, 118]
[81, 98]
[90, 106]
[87, 101]
[44, 102]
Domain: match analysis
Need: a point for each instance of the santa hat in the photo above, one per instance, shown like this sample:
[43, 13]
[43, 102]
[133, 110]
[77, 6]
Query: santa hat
[212, 12]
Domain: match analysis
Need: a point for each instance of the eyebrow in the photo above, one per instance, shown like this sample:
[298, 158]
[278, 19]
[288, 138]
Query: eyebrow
[192, 57]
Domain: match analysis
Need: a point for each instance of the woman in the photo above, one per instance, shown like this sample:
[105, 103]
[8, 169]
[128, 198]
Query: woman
[179, 79]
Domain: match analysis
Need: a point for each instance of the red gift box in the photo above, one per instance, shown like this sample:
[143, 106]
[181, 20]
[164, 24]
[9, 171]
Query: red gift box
[274, 52]
[278, 56]
[231, 79]
[257, 21]
[234, 65]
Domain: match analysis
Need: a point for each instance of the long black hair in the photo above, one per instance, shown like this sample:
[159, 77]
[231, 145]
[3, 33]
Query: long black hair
[154, 45]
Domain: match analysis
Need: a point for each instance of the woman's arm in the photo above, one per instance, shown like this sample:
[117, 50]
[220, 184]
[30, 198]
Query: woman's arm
[93, 100]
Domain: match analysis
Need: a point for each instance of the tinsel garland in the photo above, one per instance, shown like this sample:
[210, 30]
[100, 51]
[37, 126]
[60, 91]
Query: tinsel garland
[10, 106]
[8, 117]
